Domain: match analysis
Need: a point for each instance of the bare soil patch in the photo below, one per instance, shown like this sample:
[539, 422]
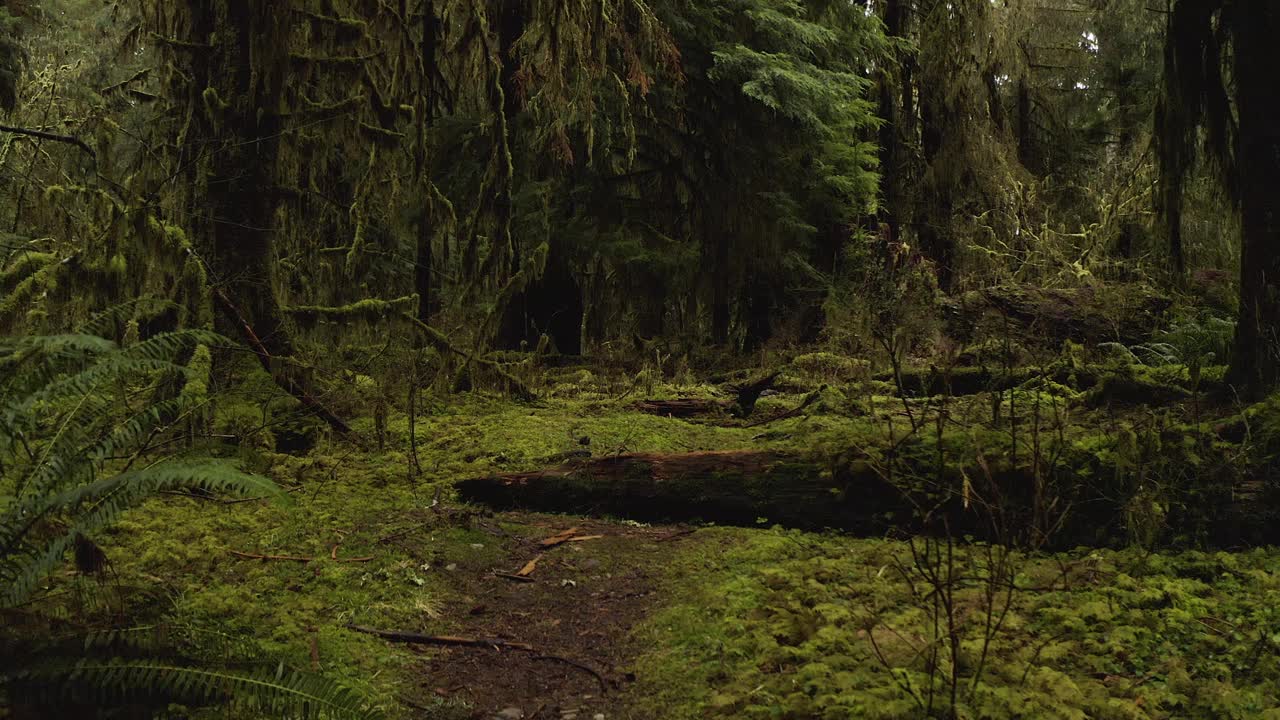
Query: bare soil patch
[571, 590]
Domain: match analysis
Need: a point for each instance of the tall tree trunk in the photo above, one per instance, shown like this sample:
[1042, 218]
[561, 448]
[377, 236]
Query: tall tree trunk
[719, 286]
[424, 266]
[1256, 364]
[248, 74]
[1026, 138]
[936, 226]
[891, 93]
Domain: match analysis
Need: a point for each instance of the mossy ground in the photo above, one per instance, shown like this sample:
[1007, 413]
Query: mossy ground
[731, 622]
[781, 624]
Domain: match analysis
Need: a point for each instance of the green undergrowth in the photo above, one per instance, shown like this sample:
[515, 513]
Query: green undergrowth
[782, 624]
[174, 559]
[763, 624]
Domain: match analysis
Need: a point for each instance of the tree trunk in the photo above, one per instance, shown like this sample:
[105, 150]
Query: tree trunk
[1256, 364]
[891, 165]
[424, 266]
[1026, 138]
[248, 72]
[719, 286]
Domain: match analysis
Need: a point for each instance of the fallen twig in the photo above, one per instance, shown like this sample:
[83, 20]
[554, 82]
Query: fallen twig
[450, 640]
[297, 558]
[494, 643]
[567, 536]
[253, 556]
[513, 576]
[604, 686]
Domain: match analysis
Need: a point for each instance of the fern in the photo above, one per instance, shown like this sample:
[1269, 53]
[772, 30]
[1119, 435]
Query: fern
[278, 692]
[67, 447]
[57, 434]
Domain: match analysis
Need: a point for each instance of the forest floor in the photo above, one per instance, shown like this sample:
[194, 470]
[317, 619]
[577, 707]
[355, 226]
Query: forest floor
[630, 620]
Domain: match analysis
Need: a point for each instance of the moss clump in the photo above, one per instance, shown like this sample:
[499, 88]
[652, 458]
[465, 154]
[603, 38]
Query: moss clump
[24, 265]
[830, 367]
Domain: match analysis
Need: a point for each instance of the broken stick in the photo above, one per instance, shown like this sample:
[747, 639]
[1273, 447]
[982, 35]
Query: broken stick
[449, 640]
[494, 643]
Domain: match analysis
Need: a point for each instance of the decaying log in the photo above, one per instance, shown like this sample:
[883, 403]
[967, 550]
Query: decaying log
[740, 487]
[683, 407]
[746, 395]
[1126, 313]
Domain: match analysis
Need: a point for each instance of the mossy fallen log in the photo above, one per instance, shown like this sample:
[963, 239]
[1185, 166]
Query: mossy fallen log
[962, 381]
[1126, 313]
[737, 487]
[684, 407]
[1107, 491]
[746, 395]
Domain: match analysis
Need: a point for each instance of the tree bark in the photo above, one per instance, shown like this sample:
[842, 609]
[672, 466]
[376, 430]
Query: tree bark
[719, 286]
[248, 75]
[1256, 364]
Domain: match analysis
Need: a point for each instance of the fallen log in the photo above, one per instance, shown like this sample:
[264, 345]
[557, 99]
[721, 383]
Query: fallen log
[1126, 313]
[987, 492]
[739, 487]
[746, 394]
[683, 407]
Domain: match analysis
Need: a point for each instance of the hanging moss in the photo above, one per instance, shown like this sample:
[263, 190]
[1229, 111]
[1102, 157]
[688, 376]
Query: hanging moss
[26, 264]
[25, 292]
[368, 311]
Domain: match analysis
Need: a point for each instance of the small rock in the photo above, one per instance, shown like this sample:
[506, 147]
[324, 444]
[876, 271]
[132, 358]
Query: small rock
[477, 546]
[451, 567]
[511, 713]
[598, 716]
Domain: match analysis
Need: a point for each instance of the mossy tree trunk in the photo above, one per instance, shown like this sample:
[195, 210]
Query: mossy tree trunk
[246, 75]
[1257, 55]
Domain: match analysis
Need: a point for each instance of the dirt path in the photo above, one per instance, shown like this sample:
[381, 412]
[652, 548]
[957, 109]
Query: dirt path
[576, 609]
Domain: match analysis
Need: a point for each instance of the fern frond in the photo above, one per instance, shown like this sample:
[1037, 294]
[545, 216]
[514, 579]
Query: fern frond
[284, 693]
[24, 568]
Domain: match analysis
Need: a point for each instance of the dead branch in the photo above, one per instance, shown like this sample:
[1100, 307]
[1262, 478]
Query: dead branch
[808, 400]
[604, 686]
[51, 136]
[447, 640]
[290, 385]
[492, 643]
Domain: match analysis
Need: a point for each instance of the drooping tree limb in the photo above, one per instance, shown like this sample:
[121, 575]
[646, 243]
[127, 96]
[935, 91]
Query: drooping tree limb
[289, 384]
[52, 136]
